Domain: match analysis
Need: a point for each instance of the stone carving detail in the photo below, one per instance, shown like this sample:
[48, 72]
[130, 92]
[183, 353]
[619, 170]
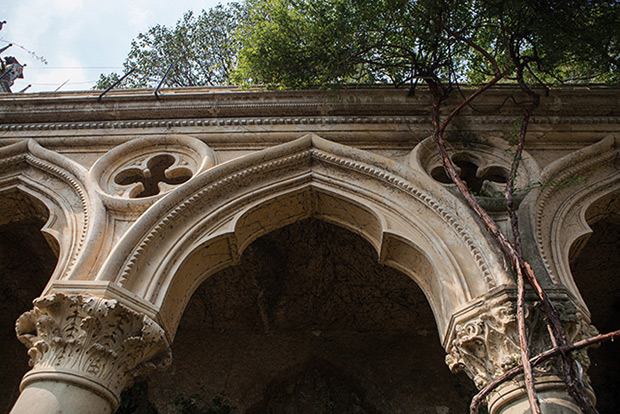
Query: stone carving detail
[93, 338]
[482, 163]
[144, 168]
[159, 174]
[149, 175]
[487, 345]
[11, 69]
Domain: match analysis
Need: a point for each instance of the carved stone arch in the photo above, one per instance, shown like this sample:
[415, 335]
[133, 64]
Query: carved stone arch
[415, 224]
[61, 185]
[556, 213]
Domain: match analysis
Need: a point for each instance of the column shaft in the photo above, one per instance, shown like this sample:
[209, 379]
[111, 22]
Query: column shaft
[54, 397]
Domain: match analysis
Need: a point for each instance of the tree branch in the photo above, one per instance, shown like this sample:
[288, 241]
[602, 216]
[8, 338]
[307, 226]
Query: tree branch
[550, 353]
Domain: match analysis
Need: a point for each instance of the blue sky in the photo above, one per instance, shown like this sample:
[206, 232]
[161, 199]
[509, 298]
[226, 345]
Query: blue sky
[80, 39]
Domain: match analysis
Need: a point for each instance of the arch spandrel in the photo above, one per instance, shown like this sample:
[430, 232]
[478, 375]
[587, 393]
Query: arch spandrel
[216, 214]
[556, 213]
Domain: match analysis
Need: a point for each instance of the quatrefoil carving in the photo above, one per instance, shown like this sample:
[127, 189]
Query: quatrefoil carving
[158, 175]
[136, 174]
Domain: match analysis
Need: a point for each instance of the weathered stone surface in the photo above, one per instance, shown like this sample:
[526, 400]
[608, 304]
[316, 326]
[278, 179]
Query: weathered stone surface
[91, 342]
[147, 199]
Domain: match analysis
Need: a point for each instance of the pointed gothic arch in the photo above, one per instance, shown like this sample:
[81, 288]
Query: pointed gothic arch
[556, 212]
[62, 186]
[205, 224]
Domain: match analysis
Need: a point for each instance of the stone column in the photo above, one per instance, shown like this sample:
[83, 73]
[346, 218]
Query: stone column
[486, 345]
[84, 351]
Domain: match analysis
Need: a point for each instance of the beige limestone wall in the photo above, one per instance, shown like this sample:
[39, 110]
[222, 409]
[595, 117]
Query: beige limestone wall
[255, 161]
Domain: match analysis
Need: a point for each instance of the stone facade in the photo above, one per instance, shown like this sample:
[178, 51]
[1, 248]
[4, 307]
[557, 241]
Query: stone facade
[145, 203]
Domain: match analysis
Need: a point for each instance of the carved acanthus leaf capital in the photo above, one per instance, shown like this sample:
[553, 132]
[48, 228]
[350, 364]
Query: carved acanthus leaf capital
[91, 338]
[487, 345]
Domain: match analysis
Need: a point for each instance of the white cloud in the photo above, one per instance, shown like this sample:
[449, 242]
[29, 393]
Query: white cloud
[64, 7]
[138, 16]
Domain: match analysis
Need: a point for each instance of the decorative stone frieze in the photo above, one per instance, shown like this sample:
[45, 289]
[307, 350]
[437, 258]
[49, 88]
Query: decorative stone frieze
[487, 345]
[91, 342]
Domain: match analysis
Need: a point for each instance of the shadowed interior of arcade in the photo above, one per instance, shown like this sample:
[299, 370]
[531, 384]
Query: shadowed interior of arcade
[309, 322]
[26, 264]
[595, 261]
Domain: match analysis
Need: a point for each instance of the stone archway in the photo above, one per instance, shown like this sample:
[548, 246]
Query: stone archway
[238, 171]
[309, 316]
[27, 260]
[400, 211]
[206, 225]
[594, 262]
[136, 261]
[151, 253]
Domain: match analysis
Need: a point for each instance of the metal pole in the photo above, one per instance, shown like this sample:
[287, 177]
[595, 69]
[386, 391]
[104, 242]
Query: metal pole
[63, 84]
[162, 80]
[6, 47]
[115, 83]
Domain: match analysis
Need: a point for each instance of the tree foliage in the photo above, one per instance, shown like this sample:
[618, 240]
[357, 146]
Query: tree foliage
[302, 43]
[203, 49]
[309, 43]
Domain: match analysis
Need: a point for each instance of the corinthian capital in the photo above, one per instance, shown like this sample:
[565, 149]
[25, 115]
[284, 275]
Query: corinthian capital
[92, 342]
[485, 343]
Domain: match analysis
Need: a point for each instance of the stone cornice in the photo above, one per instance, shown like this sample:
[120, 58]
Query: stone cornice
[209, 106]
